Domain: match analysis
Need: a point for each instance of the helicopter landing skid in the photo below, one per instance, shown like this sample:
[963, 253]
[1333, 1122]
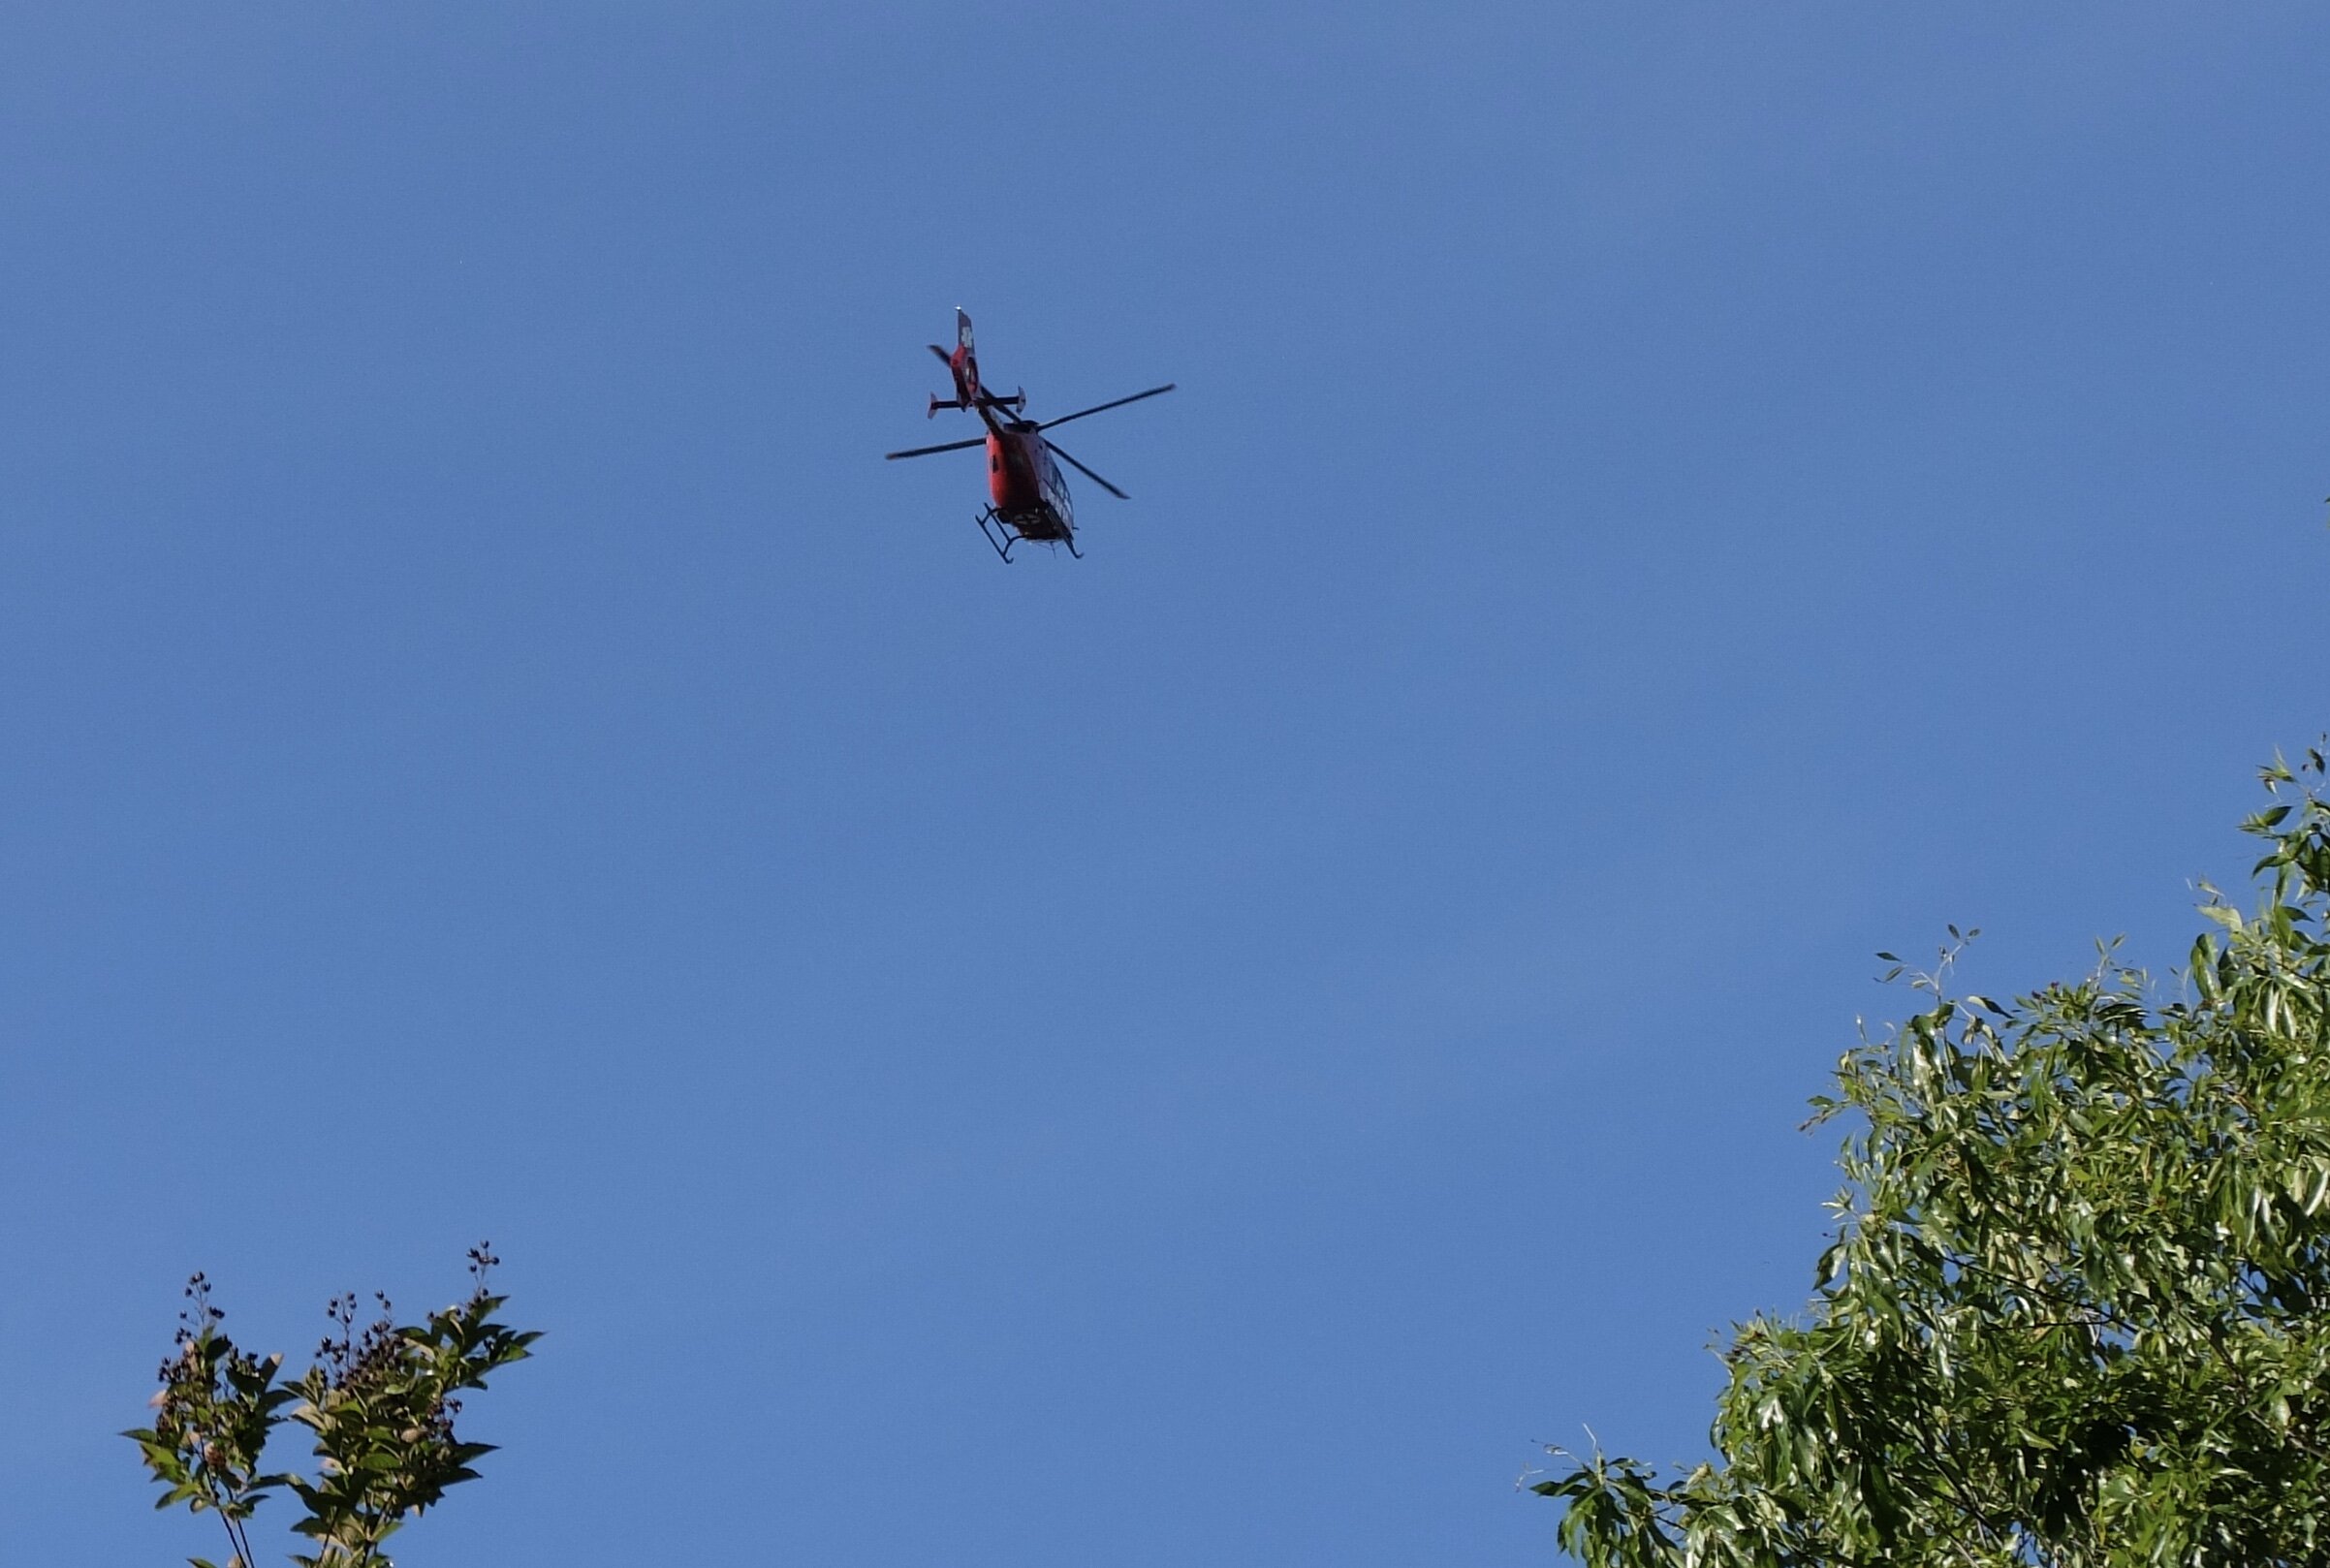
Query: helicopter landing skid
[1003, 535]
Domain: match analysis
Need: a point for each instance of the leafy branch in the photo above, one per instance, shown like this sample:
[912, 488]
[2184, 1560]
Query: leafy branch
[380, 1403]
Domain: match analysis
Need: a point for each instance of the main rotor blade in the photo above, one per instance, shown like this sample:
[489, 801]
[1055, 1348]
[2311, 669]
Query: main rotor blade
[1102, 407]
[1087, 472]
[950, 446]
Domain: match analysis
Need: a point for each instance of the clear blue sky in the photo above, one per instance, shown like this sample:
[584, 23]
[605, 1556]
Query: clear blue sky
[1202, 1056]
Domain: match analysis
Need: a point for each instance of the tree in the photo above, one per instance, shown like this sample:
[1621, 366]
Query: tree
[380, 1404]
[2078, 1308]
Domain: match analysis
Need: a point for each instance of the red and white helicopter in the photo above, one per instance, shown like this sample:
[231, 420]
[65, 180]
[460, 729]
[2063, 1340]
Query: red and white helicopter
[1027, 496]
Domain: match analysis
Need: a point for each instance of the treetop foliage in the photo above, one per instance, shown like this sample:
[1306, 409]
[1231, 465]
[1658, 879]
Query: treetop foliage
[379, 1402]
[2077, 1312]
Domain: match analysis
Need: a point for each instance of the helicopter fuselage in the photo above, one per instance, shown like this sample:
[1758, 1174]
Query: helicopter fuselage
[1025, 485]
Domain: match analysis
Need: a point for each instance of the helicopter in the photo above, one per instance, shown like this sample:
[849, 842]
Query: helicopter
[1028, 494]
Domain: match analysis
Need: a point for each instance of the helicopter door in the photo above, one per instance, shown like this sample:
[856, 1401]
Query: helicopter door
[1053, 485]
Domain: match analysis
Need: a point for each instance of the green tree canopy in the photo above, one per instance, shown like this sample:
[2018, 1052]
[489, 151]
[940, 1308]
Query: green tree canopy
[2078, 1308]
